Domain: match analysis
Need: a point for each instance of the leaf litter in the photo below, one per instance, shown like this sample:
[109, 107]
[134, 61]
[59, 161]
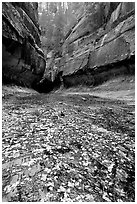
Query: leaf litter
[67, 149]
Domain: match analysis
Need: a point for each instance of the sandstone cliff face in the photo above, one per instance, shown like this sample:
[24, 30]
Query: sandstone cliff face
[99, 51]
[105, 52]
[22, 60]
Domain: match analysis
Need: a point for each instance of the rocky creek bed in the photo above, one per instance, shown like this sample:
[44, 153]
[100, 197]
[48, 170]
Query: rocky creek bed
[59, 147]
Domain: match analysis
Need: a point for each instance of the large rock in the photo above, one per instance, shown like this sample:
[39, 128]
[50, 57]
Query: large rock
[22, 60]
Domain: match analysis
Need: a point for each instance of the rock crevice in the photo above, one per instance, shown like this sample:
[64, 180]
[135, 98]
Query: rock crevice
[93, 49]
[98, 50]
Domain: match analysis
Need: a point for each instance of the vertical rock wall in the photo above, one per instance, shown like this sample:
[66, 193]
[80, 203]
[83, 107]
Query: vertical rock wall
[108, 50]
[22, 60]
[98, 50]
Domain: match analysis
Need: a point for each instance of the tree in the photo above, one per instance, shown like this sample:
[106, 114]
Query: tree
[56, 19]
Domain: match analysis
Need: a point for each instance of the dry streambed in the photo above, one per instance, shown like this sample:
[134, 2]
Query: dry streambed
[67, 148]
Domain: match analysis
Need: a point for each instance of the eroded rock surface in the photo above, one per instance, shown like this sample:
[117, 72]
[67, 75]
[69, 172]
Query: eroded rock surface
[99, 51]
[23, 61]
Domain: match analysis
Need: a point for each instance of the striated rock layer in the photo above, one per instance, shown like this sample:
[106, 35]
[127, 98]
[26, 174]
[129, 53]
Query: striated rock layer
[104, 53]
[22, 60]
[98, 51]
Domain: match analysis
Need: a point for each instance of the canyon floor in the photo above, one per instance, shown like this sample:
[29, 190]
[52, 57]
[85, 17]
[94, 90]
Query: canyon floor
[75, 144]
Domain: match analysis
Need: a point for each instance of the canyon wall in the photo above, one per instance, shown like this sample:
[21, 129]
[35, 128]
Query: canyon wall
[93, 52]
[99, 46]
[23, 61]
